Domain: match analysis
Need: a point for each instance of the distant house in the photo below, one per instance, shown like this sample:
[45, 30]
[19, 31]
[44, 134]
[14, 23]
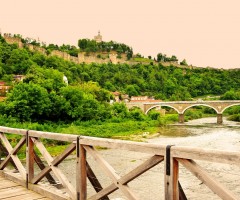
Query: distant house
[4, 89]
[139, 98]
[118, 97]
[125, 98]
[18, 78]
[143, 99]
[65, 80]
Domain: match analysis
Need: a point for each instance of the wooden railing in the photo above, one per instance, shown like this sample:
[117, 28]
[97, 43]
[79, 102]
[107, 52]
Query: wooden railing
[37, 154]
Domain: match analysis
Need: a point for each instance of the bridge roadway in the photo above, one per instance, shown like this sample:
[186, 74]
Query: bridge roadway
[12, 191]
[182, 106]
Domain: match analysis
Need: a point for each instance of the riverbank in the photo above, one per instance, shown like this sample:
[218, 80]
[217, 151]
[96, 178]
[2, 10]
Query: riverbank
[150, 184]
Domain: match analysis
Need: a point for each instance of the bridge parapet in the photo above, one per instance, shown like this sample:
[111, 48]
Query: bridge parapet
[182, 106]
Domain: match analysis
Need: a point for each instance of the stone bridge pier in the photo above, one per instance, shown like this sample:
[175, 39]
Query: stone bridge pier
[182, 106]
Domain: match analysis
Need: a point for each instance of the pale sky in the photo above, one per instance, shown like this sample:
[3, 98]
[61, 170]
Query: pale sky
[204, 32]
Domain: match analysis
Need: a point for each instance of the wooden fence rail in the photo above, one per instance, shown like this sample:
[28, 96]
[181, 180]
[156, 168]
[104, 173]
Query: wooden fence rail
[31, 142]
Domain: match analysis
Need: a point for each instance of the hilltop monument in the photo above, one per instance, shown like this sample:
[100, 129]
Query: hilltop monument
[98, 38]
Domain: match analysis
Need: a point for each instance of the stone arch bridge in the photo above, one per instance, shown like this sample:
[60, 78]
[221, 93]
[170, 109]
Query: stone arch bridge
[182, 106]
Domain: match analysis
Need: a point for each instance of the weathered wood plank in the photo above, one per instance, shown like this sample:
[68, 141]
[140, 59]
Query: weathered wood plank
[94, 181]
[36, 188]
[30, 159]
[155, 149]
[6, 184]
[42, 167]
[175, 172]
[48, 193]
[53, 136]
[12, 152]
[17, 131]
[148, 164]
[202, 175]
[28, 195]
[60, 176]
[10, 192]
[212, 155]
[14, 157]
[4, 152]
[83, 173]
[111, 173]
[45, 171]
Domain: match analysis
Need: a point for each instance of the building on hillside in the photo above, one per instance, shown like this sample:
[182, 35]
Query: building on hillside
[65, 80]
[139, 98]
[4, 89]
[143, 99]
[118, 97]
[10, 39]
[125, 98]
[18, 77]
[98, 38]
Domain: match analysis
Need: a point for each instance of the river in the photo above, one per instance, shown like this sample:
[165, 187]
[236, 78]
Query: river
[204, 133]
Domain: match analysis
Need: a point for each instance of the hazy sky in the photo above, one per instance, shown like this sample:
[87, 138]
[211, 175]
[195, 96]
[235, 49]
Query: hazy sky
[205, 32]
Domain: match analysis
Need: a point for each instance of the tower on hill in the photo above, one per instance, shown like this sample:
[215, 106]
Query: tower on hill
[98, 38]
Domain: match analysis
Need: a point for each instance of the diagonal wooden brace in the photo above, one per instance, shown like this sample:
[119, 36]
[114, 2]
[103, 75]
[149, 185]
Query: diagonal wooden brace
[148, 164]
[53, 166]
[12, 154]
[118, 182]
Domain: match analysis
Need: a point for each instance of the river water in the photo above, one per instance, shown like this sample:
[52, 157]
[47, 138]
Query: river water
[202, 133]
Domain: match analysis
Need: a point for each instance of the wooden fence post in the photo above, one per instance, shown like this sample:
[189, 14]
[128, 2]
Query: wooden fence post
[30, 159]
[171, 176]
[81, 181]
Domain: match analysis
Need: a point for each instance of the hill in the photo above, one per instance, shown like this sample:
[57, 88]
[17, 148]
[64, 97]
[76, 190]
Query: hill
[44, 95]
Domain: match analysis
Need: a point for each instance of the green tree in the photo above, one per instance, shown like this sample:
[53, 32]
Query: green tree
[131, 90]
[231, 95]
[28, 102]
[184, 62]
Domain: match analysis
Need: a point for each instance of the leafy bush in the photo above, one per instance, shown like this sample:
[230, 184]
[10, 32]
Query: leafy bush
[154, 115]
[137, 114]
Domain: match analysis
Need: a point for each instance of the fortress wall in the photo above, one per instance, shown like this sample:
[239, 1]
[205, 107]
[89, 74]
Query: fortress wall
[40, 50]
[106, 57]
[37, 49]
[30, 46]
[74, 59]
[13, 40]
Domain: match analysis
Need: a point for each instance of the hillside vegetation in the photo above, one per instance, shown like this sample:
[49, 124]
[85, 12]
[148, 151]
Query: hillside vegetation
[44, 96]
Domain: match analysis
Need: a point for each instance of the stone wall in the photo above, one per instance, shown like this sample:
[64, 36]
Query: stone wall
[83, 57]
[37, 49]
[13, 40]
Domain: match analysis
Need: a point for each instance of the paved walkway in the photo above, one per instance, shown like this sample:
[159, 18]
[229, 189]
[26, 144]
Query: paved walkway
[13, 191]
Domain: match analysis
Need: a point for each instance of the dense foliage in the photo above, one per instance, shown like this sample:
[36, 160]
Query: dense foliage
[163, 58]
[44, 96]
[93, 46]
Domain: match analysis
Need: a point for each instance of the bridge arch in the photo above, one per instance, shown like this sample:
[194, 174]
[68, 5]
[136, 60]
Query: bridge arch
[201, 104]
[236, 104]
[161, 106]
